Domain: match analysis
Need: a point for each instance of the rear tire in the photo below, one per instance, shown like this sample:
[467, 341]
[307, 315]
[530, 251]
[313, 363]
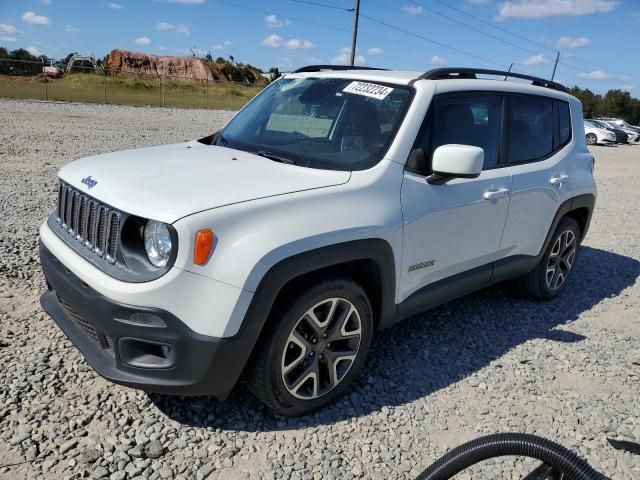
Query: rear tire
[313, 347]
[550, 276]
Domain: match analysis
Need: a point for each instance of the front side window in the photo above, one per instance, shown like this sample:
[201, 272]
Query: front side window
[530, 128]
[324, 123]
[468, 119]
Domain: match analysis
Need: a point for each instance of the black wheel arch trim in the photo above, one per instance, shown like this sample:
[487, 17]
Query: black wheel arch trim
[288, 269]
[374, 249]
[587, 201]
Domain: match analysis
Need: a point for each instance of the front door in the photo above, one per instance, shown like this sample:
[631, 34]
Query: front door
[457, 226]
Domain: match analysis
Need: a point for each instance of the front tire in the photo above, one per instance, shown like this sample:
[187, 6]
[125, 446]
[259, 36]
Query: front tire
[314, 347]
[550, 276]
[591, 139]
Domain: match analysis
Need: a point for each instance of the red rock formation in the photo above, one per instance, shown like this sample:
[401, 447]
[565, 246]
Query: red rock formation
[136, 63]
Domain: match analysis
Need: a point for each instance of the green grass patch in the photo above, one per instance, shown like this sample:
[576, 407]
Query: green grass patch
[81, 87]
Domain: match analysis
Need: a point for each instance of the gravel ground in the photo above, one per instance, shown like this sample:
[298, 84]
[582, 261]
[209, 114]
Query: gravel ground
[568, 370]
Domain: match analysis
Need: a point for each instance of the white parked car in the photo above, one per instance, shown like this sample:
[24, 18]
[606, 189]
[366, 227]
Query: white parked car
[596, 135]
[632, 132]
[333, 205]
[621, 123]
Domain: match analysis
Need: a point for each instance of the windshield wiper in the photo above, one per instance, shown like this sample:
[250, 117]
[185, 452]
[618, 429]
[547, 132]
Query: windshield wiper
[275, 157]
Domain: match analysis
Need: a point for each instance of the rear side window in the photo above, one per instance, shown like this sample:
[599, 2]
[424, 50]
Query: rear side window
[468, 119]
[564, 119]
[530, 128]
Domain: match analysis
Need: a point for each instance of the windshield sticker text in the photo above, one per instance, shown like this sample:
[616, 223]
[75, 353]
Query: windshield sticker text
[368, 90]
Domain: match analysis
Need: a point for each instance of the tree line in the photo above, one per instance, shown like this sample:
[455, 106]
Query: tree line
[27, 64]
[614, 103]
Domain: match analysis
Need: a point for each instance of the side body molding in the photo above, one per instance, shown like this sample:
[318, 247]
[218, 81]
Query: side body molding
[464, 283]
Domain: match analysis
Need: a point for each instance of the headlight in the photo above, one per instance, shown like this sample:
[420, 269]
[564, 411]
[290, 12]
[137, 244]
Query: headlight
[157, 243]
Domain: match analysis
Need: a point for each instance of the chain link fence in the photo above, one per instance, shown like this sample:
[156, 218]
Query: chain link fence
[23, 79]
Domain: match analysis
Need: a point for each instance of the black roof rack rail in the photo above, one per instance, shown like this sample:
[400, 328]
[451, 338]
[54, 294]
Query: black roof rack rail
[453, 73]
[317, 68]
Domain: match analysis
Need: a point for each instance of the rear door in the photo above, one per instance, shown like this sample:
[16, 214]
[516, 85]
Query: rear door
[457, 226]
[538, 130]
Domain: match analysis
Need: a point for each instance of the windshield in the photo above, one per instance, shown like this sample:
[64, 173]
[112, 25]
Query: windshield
[326, 123]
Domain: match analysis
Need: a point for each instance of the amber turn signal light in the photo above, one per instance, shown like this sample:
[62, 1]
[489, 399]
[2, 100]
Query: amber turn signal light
[202, 247]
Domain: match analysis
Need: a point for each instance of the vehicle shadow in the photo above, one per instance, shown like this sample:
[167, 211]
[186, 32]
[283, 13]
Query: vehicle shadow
[432, 350]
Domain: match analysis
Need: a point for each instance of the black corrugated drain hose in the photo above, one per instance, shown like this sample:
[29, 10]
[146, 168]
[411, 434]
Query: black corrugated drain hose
[511, 444]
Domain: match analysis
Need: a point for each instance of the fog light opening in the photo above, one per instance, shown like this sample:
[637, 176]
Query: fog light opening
[145, 354]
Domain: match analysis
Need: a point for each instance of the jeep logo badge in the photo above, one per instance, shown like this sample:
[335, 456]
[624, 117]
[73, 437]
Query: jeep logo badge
[89, 182]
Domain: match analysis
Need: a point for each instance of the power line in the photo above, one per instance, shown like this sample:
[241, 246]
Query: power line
[396, 10]
[459, 10]
[471, 27]
[271, 12]
[573, 57]
[325, 5]
[332, 27]
[521, 37]
[572, 66]
[440, 44]
[456, 22]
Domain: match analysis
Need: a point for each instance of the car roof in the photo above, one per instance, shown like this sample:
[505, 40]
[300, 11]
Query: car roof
[442, 85]
[381, 76]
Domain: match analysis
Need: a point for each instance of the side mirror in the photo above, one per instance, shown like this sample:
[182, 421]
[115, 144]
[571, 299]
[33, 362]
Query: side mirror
[455, 161]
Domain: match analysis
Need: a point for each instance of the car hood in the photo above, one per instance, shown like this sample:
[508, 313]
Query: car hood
[169, 182]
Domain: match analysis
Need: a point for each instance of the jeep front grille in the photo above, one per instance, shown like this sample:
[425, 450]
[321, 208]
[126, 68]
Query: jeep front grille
[88, 221]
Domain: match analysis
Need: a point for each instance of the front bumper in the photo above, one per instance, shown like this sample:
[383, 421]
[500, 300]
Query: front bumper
[119, 342]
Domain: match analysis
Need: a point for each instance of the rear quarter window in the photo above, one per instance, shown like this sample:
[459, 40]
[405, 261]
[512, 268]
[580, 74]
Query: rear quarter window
[564, 119]
[530, 128]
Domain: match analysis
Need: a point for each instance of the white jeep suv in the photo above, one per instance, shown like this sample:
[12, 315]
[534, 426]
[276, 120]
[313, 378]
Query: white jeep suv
[334, 204]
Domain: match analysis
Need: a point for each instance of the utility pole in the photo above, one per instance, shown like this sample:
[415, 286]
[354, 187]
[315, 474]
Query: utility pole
[355, 32]
[555, 65]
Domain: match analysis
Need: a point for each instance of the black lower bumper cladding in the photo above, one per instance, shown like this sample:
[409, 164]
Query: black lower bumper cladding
[145, 348]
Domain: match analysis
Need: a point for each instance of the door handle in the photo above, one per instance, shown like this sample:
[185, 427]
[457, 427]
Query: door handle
[558, 179]
[491, 194]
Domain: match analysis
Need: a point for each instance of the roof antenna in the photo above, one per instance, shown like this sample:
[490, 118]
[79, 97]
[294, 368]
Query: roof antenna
[508, 71]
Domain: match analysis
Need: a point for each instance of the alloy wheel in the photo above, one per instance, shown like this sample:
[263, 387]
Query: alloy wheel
[321, 348]
[561, 259]
[592, 139]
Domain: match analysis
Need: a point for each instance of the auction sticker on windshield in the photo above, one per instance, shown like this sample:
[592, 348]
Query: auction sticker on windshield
[368, 90]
